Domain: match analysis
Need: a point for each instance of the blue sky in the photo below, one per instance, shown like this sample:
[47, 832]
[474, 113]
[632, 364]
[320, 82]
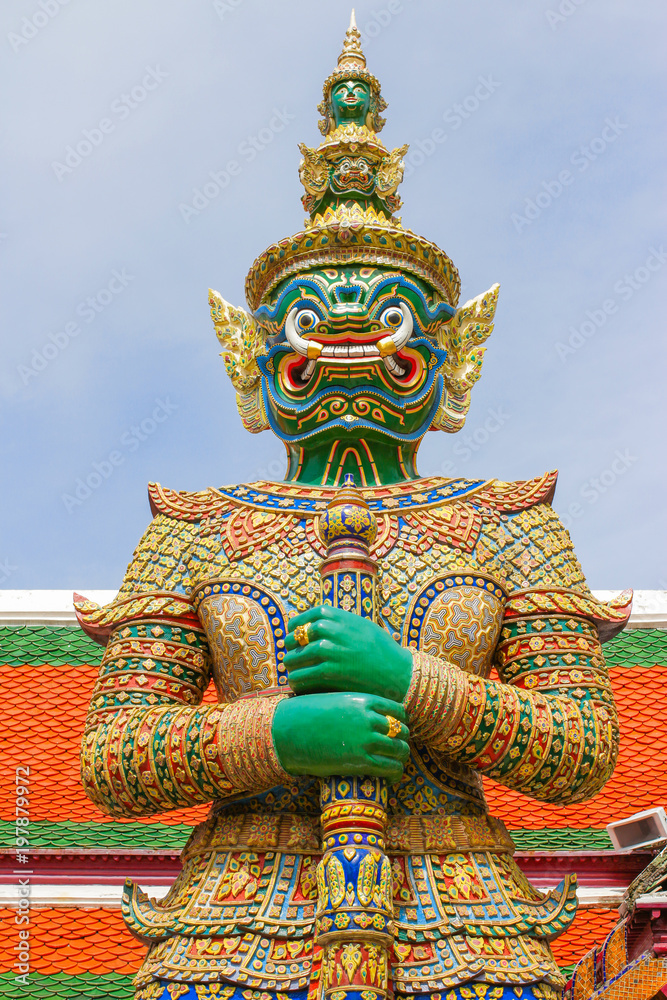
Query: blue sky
[543, 173]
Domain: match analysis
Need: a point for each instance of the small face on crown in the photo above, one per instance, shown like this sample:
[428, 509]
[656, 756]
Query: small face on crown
[350, 102]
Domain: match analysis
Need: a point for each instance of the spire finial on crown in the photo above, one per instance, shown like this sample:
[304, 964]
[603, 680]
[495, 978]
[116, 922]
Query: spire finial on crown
[351, 183]
[352, 57]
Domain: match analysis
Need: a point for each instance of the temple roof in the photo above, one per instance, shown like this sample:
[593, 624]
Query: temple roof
[80, 856]
[73, 954]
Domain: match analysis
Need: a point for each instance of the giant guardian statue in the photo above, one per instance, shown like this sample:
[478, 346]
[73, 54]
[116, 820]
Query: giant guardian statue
[350, 618]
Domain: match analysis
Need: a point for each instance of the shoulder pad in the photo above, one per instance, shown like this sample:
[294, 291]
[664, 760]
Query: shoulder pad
[183, 505]
[509, 498]
[98, 622]
[610, 617]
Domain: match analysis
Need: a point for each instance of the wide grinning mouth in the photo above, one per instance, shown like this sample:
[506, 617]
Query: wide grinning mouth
[347, 343]
[353, 352]
[350, 350]
[402, 366]
[384, 343]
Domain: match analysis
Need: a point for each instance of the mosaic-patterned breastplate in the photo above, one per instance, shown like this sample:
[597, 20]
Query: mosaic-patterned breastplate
[448, 553]
[245, 627]
[453, 615]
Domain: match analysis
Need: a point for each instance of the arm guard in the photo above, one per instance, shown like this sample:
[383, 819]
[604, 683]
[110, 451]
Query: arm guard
[549, 727]
[147, 747]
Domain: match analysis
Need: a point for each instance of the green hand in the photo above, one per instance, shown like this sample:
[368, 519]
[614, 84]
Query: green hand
[346, 653]
[325, 734]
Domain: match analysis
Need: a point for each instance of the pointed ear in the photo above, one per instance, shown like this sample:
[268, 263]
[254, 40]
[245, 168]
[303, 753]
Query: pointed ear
[390, 171]
[313, 171]
[461, 338]
[241, 339]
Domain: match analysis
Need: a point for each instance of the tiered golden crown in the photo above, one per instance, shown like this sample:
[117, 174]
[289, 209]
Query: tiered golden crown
[351, 181]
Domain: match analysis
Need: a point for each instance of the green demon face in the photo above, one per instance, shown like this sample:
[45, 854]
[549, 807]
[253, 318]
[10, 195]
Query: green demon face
[350, 102]
[352, 349]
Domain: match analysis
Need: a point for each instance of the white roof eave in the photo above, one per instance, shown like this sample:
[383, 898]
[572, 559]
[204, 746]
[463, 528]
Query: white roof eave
[54, 607]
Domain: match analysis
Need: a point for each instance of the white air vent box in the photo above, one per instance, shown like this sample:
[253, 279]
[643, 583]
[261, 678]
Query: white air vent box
[640, 830]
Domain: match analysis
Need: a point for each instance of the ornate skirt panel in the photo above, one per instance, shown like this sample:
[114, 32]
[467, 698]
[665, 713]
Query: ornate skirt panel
[161, 990]
[301, 834]
[247, 915]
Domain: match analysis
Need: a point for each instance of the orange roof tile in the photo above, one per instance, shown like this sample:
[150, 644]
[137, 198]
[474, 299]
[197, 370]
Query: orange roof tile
[73, 940]
[43, 710]
[640, 778]
[77, 939]
[590, 927]
[42, 715]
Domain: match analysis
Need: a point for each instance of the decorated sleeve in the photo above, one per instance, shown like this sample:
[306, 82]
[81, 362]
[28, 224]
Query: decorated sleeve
[548, 728]
[149, 745]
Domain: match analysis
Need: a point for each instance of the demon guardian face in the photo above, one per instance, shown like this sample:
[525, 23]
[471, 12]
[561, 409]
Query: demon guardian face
[352, 348]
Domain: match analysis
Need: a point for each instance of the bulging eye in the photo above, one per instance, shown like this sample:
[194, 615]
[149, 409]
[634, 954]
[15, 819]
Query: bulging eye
[306, 320]
[392, 317]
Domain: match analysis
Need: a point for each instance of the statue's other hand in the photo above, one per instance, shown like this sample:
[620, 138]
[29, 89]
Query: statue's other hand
[345, 653]
[342, 733]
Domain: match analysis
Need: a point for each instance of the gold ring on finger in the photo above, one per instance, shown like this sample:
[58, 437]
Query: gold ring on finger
[394, 726]
[301, 634]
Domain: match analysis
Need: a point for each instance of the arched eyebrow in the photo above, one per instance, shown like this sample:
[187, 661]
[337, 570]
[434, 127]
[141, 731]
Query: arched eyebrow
[442, 312]
[268, 314]
[394, 284]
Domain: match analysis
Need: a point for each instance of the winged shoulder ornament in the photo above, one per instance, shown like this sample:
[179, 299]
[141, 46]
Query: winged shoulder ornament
[390, 171]
[313, 170]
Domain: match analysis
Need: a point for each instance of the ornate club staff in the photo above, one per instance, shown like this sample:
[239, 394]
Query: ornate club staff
[354, 923]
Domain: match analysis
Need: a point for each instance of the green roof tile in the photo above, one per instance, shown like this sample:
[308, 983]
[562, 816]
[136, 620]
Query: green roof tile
[85, 986]
[566, 839]
[54, 644]
[638, 647]
[60, 644]
[115, 836]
